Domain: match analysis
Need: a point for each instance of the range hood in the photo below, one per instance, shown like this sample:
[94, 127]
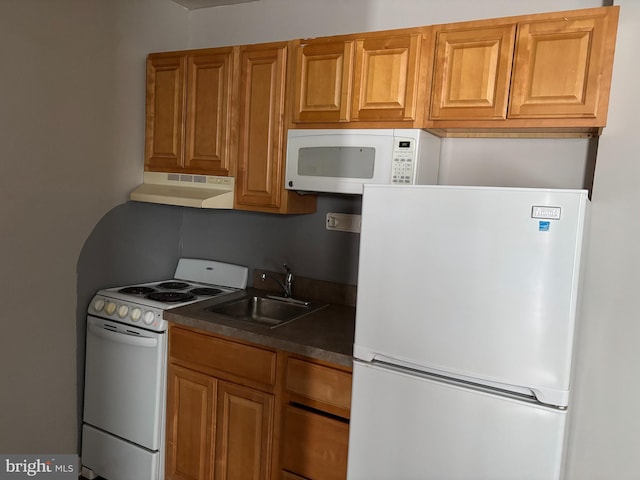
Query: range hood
[199, 191]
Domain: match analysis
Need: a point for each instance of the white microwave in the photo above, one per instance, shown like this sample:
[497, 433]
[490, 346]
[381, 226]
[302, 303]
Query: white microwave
[342, 161]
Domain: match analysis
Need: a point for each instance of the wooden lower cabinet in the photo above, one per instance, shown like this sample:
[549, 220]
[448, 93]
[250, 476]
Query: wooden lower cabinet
[216, 429]
[239, 411]
[315, 445]
[244, 431]
[315, 431]
[191, 398]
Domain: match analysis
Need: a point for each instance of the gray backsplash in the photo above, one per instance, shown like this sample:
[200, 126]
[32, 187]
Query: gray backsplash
[266, 241]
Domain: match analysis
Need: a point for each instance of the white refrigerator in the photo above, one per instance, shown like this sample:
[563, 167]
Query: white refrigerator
[465, 323]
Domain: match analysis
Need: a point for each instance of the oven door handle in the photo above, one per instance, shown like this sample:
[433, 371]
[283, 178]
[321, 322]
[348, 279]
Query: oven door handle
[119, 337]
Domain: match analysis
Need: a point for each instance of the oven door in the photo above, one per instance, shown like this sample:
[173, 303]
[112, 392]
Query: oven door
[125, 381]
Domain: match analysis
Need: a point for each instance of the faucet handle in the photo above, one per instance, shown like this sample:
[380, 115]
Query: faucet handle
[286, 267]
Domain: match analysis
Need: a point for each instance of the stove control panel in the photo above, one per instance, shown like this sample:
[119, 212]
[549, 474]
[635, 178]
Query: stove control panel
[144, 316]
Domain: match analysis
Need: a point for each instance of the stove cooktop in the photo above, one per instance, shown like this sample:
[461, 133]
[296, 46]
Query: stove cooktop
[143, 304]
[167, 293]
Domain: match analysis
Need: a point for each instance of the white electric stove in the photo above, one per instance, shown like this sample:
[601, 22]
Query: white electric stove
[125, 368]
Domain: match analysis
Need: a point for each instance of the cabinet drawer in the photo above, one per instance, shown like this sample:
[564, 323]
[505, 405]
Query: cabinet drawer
[319, 383]
[220, 357]
[315, 446]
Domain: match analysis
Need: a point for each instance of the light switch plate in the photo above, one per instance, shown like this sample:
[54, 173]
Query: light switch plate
[343, 222]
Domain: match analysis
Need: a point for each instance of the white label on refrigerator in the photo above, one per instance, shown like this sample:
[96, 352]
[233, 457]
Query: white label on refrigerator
[548, 213]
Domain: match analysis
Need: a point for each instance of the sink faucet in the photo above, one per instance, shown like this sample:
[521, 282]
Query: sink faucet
[286, 285]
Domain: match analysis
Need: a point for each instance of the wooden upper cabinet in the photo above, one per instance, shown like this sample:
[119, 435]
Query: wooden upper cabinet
[261, 143]
[386, 78]
[545, 73]
[472, 72]
[189, 112]
[322, 83]
[370, 78]
[559, 67]
[165, 111]
[209, 112]
[262, 133]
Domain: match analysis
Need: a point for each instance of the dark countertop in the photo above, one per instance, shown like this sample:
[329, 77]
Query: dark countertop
[326, 334]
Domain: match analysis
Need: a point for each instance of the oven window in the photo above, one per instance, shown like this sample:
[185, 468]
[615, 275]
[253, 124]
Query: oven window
[341, 162]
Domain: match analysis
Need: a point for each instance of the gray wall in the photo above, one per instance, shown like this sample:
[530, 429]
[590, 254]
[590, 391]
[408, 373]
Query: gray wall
[605, 421]
[56, 126]
[71, 129]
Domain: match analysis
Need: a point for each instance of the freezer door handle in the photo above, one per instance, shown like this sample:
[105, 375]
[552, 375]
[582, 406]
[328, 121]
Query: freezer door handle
[121, 337]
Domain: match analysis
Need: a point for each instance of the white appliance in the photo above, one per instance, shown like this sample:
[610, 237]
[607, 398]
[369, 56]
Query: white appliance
[342, 161]
[125, 368]
[465, 324]
[186, 190]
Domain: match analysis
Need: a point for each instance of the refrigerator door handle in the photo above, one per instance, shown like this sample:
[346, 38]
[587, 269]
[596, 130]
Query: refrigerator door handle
[506, 390]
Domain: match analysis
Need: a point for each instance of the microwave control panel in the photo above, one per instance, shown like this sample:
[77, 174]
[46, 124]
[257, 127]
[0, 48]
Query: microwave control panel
[404, 161]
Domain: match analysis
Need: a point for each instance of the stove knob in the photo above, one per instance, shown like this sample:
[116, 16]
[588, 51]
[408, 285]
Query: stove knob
[148, 318]
[98, 304]
[123, 310]
[136, 313]
[110, 308]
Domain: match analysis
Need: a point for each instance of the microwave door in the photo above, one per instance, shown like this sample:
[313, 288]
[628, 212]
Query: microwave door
[340, 162]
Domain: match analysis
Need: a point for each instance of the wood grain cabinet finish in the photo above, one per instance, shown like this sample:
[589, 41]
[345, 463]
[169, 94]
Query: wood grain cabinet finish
[236, 410]
[315, 420]
[284, 475]
[550, 72]
[191, 410]
[262, 133]
[559, 66]
[244, 430]
[366, 79]
[190, 112]
[323, 81]
[220, 408]
[165, 111]
[317, 447]
[386, 78]
[319, 386]
[472, 73]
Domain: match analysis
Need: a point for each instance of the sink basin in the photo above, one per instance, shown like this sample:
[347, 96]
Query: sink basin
[262, 310]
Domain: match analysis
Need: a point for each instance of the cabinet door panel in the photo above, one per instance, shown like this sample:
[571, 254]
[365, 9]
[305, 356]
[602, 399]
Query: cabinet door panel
[322, 87]
[261, 147]
[245, 422]
[472, 72]
[190, 424]
[558, 66]
[165, 112]
[209, 112]
[386, 77]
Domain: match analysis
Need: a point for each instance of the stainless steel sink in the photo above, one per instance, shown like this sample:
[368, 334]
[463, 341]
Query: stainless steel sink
[264, 311]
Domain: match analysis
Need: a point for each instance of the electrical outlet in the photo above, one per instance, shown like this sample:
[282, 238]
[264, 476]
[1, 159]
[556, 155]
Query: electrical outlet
[343, 222]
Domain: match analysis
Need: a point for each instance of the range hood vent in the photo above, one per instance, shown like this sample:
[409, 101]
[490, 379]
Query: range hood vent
[199, 191]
